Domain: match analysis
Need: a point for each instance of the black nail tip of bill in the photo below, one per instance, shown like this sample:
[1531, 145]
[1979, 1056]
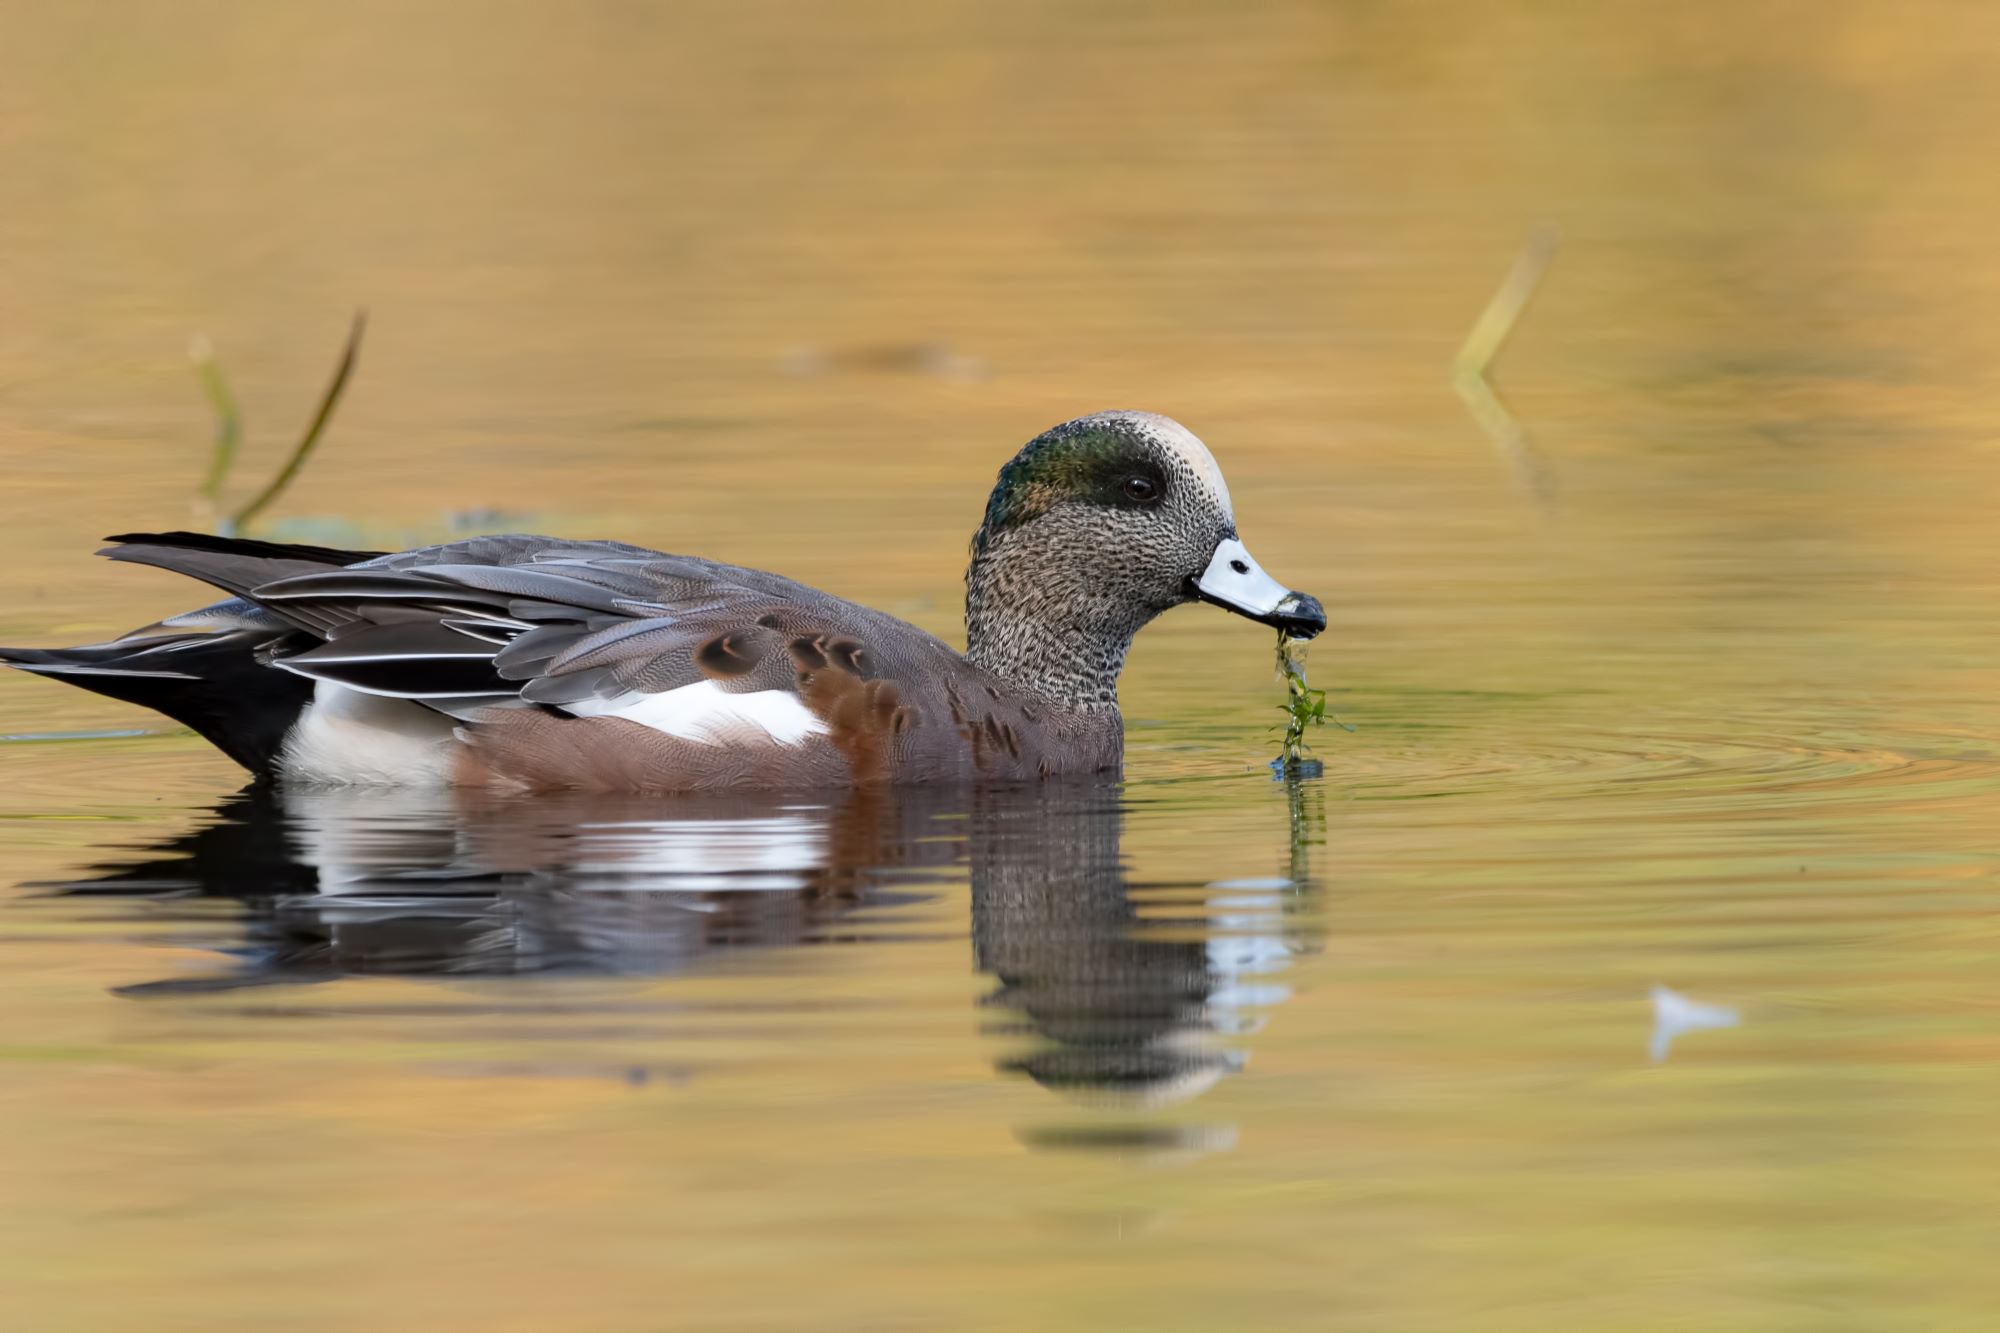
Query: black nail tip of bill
[1300, 616]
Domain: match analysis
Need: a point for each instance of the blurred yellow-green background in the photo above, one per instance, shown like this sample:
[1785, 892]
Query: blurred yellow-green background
[783, 284]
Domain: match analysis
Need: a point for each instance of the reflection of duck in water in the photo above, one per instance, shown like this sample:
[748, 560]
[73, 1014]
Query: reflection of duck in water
[351, 883]
[1120, 1007]
[357, 882]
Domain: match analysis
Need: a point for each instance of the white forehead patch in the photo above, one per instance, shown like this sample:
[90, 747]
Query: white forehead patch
[1183, 443]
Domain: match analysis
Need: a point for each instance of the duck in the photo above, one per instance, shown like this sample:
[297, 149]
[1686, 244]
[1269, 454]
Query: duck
[531, 663]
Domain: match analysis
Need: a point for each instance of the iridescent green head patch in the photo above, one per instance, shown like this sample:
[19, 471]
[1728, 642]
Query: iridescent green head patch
[1090, 460]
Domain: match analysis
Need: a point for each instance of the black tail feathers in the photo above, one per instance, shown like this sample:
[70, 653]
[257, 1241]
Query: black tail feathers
[248, 546]
[213, 683]
[213, 678]
[233, 564]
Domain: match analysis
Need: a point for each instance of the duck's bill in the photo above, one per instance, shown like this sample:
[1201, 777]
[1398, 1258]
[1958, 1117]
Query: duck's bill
[1235, 581]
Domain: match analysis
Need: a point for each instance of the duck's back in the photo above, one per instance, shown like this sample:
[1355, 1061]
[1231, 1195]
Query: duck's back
[536, 662]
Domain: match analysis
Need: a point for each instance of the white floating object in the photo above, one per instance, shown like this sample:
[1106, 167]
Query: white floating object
[1674, 1014]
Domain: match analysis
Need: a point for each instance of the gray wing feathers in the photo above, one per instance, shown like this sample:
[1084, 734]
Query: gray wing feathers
[503, 621]
[233, 573]
[513, 621]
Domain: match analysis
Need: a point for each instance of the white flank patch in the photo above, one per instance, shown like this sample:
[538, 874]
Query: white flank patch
[707, 714]
[349, 739]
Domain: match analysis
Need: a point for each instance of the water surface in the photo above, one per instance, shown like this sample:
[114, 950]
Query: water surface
[784, 285]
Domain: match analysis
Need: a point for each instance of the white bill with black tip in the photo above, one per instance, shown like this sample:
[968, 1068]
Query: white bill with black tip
[1235, 580]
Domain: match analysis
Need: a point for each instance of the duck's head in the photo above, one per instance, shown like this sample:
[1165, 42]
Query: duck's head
[1100, 524]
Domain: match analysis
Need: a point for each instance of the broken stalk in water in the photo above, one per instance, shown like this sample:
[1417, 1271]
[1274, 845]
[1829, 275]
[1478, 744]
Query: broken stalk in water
[229, 432]
[1472, 368]
[307, 442]
[228, 424]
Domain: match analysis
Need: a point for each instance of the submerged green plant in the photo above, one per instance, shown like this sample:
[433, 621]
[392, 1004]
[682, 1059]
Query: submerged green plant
[229, 432]
[1304, 707]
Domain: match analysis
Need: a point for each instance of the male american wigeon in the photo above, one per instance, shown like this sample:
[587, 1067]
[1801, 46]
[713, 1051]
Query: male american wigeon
[534, 662]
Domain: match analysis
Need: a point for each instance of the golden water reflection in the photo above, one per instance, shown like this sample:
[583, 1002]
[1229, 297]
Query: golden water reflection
[335, 884]
[783, 284]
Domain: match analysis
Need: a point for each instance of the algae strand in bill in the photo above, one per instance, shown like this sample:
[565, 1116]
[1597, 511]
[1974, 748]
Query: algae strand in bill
[1304, 708]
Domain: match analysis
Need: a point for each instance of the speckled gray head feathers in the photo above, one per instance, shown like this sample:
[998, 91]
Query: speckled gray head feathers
[1092, 459]
[1093, 529]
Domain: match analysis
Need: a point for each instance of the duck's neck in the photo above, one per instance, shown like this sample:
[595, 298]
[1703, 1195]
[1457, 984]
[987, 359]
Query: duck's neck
[1045, 631]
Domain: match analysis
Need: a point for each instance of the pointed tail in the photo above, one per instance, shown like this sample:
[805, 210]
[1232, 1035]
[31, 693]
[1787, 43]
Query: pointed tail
[208, 669]
[214, 683]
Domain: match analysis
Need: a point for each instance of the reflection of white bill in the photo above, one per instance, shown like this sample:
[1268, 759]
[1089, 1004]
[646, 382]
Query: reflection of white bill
[1247, 942]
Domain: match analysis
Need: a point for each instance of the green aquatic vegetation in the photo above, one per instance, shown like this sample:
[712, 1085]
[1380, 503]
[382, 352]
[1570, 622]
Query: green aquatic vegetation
[1304, 708]
[229, 432]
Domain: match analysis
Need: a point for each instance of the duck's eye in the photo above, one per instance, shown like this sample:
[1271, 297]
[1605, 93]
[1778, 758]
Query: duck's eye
[1142, 490]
